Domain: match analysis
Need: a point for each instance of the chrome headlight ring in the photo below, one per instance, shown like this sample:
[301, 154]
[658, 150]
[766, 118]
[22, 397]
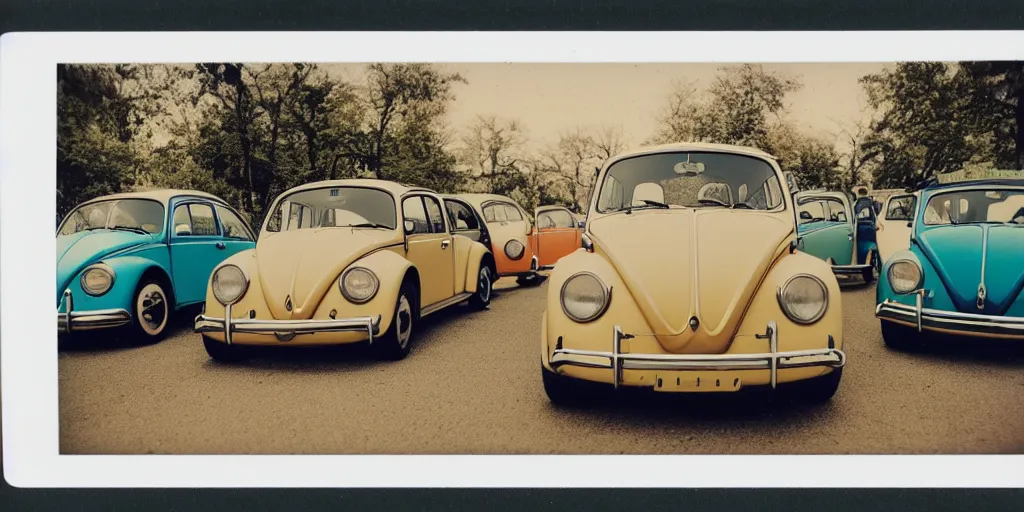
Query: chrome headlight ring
[603, 290]
[101, 271]
[223, 275]
[785, 305]
[905, 265]
[355, 273]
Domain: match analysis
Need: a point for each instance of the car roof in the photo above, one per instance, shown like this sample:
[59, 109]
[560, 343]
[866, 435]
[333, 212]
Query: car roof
[479, 199]
[164, 195]
[692, 146]
[394, 188]
[998, 182]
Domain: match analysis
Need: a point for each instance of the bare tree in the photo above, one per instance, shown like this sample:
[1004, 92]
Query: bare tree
[493, 147]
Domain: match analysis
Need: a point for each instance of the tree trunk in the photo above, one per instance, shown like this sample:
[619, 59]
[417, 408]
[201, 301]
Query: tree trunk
[243, 132]
[1019, 138]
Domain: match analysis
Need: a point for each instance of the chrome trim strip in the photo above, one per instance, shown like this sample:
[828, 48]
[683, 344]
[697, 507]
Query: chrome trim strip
[773, 360]
[230, 326]
[950, 320]
[434, 308]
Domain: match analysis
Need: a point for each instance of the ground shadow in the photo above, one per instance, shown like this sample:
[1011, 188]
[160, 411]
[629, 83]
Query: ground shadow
[989, 351]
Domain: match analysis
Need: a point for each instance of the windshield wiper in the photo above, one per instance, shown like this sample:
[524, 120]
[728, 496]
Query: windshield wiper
[743, 205]
[366, 225]
[130, 228]
[712, 202]
[647, 204]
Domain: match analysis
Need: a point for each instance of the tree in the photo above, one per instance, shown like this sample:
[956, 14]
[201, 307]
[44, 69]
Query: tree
[492, 148]
[997, 107]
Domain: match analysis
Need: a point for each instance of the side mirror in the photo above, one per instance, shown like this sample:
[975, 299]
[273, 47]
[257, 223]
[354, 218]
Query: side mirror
[791, 182]
[182, 230]
[410, 227]
[910, 224]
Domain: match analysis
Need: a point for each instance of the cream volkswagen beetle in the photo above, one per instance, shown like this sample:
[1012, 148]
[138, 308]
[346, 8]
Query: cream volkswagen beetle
[689, 280]
[343, 262]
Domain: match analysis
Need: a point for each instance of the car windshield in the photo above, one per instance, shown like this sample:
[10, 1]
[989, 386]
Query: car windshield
[690, 180]
[976, 206]
[139, 215]
[334, 207]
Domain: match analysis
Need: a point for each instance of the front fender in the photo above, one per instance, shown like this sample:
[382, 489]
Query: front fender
[477, 254]
[127, 272]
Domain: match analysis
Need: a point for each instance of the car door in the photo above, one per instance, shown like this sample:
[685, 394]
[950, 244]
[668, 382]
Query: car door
[237, 234]
[503, 230]
[429, 247]
[866, 226]
[462, 220]
[196, 248]
[558, 234]
[894, 229]
[825, 229]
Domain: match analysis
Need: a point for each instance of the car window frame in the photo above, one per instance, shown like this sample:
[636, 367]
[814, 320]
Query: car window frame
[220, 221]
[188, 203]
[452, 220]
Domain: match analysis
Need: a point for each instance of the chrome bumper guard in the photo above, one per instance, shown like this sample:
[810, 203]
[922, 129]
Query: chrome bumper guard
[949, 320]
[285, 330]
[72, 320]
[850, 269]
[617, 361]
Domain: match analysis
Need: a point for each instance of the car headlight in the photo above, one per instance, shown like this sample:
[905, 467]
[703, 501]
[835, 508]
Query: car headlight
[804, 299]
[98, 279]
[514, 249]
[358, 285]
[229, 284]
[585, 297]
[905, 276]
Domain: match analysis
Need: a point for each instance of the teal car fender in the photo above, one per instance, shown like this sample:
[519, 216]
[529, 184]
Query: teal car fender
[936, 296]
[129, 268]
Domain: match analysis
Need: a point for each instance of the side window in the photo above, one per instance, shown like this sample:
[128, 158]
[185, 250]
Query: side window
[812, 211]
[900, 208]
[202, 220]
[459, 217]
[837, 211]
[512, 213]
[611, 195]
[434, 215]
[544, 221]
[182, 223]
[412, 210]
[233, 226]
[495, 213]
[562, 219]
[300, 216]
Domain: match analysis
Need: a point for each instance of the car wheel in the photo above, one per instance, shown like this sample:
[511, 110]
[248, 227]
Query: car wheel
[871, 274]
[222, 352]
[151, 311]
[484, 286]
[530, 281]
[397, 340]
[900, 337]
[564, 391]
[820, 389]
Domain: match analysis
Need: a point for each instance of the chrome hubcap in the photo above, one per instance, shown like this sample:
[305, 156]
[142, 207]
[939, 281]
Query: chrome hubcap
[152, 309]
[404, 321]
[485, 284]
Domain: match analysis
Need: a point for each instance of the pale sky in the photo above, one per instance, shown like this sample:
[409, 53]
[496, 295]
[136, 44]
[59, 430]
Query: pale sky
[549, 99]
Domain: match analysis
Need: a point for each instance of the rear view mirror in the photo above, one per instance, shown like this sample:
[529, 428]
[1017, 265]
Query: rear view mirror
[182, 230]
[689, 168]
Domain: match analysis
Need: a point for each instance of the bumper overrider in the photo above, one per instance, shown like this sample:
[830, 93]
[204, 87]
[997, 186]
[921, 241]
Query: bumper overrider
[71, 320]
[285, 330]
[773, 360]
[844, 270]
[936, 319]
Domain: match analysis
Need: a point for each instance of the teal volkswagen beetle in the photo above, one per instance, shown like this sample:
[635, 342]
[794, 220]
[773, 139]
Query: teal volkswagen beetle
[132, 259]
[964, 270]
[839, 231]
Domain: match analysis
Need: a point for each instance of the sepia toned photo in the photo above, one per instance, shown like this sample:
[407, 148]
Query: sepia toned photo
[446, 258]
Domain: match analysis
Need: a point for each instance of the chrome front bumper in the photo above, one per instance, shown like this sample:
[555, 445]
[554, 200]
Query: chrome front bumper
[72, 320]
[926, 318]
[850, 269]
[285, 330]
[772, 360]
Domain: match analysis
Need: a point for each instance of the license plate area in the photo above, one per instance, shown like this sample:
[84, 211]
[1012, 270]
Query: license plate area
[698, 382]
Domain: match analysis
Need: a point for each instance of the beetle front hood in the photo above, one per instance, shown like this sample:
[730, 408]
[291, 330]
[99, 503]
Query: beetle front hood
[304, 264]
[77, 250]
[959, 252]
[682, 264]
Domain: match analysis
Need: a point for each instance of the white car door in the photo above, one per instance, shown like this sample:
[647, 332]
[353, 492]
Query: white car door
[894, 225]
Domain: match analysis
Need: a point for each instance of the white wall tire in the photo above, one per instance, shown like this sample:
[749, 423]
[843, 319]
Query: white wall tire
[484, 287]
[396, 342]
[151, 311]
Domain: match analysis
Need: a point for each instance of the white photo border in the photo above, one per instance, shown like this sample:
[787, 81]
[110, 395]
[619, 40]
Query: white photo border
[27, 182]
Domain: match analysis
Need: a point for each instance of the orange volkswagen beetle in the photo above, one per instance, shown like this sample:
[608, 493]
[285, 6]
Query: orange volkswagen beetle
[521, 245]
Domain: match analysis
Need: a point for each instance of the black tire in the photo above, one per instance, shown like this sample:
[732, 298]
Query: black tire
[222, 352]
[900, 337]
[396, 342]
[484, 288]
[530, 281]
[564, 391]
[152, 311]
[819, 389]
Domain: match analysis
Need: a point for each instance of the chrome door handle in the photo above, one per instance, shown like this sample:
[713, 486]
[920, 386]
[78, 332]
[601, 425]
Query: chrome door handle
[220, 245]
[849, 237]
[444, 244]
